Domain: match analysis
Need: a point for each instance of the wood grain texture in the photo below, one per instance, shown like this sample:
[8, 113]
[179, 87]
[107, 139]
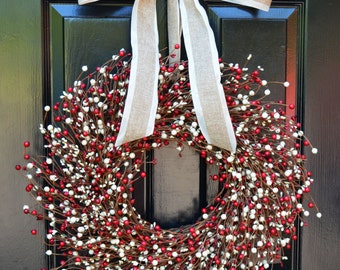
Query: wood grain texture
[20, 115]
[321, 239]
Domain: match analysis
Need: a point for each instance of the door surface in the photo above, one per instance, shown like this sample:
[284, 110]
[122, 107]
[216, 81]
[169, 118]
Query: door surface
[73, 36]
[88, 35]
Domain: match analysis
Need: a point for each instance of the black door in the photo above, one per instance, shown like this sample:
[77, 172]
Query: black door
[74, 36]
[178, 188]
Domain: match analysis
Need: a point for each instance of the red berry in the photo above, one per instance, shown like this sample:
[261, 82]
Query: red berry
[27, 144]
[33, 232]
[29, 187]
[310, 205]
[121, 53]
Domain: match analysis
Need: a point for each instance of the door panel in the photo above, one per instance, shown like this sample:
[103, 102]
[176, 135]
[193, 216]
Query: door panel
[80, 36]
[95, 41]
[176, 187]
[275, 40]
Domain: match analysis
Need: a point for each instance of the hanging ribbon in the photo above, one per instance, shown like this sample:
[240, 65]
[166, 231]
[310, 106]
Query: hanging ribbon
[207, 92]
[142, 98]
[205, 79]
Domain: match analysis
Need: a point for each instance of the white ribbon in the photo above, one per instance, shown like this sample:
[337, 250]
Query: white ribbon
[205, 79]
[204, 71]
[142, 97]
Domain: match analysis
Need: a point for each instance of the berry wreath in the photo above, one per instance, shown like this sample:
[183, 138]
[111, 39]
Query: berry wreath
[84, 185]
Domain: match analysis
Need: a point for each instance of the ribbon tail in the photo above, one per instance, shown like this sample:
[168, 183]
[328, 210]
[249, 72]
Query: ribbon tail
[142, 97]
[259, 4]
[174, 31]
[205, 77]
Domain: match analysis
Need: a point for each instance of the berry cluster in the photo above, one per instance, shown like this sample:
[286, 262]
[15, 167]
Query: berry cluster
[84, 186]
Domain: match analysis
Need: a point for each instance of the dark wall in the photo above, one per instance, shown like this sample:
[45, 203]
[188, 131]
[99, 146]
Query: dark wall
[20, 115]
[321, 239]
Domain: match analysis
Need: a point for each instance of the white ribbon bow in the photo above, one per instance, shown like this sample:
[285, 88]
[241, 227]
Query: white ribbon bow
[204, 70]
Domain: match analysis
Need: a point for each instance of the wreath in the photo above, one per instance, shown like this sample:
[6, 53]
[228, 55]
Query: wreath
[84, 185]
